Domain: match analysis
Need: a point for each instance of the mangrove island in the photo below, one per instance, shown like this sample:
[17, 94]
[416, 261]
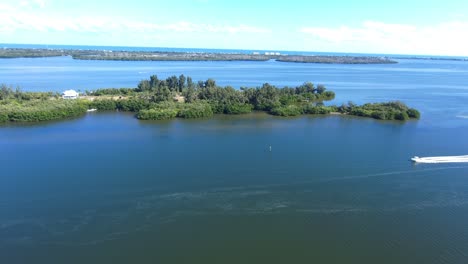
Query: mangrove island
[181, 97]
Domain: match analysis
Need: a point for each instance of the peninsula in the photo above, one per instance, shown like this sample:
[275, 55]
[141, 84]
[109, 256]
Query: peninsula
[180, 96]
[186, 56]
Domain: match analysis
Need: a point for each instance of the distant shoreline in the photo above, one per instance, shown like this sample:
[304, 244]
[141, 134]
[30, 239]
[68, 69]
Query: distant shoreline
[187, 56]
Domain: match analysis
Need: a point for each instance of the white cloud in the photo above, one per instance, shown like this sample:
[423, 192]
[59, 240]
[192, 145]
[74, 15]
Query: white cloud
[40, 3]
[447, 38]
[32, 4]
[4, 8]
[14, 19]
[33, 24]
[33, 20]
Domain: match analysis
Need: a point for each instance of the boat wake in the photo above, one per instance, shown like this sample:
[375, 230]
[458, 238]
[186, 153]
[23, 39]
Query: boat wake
[441, 159]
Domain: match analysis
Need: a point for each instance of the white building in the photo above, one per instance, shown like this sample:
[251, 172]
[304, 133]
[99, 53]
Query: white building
[70, 94]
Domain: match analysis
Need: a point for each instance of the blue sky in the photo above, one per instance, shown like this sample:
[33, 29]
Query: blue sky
[394, 27]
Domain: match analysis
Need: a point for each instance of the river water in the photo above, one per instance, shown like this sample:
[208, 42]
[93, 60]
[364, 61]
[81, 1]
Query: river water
[108, 188]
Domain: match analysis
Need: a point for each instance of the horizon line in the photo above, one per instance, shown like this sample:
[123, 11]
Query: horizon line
[240, 49]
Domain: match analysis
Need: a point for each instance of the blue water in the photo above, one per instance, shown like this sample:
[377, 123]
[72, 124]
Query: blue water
[108, 188]
[438, 88]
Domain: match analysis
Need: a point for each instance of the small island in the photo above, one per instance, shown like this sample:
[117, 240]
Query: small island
[187, 56]
[181, 97]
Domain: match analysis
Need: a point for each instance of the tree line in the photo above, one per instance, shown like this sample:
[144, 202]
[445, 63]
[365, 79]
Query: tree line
[198, 96]
[19, 106]
[179, 96]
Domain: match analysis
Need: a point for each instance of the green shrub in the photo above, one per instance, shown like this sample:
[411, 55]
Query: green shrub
[327, 96]
[383, 111]
[379, 115]
[216, 107]
[195, 110]
[290, 110]
[164, 105]
[3, 117]
[237, 109]
[317, 110]
[132, 105]
[42, 110]
[359, 111]
[104, 104]
[413, 113]
[157, 114]
[402, 115]
[112, 91]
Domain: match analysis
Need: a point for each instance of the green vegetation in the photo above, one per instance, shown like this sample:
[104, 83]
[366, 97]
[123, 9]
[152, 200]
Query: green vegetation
[383, 111]
[319, 110]
[169, 110]
[238, 109]
[337, 59]
[195, 110]
[185, 56]
[104, 104]
[288, 110]
[205, 98]
[18, 106]
[180, 96]
[112, 91]
[131, 104]
[157, 114]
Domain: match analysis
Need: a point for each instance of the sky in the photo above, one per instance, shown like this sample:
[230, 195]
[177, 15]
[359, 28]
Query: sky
[429, 27]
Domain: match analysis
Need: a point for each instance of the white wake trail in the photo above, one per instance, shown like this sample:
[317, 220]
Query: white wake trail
[441, 159]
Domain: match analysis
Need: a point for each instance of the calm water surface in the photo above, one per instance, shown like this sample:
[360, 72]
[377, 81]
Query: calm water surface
[108, 188]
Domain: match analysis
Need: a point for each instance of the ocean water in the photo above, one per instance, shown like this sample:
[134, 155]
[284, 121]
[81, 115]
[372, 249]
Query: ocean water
[108, 188]
[438, 88]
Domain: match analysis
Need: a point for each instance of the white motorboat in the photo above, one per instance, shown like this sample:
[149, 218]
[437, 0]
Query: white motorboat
[440, 159]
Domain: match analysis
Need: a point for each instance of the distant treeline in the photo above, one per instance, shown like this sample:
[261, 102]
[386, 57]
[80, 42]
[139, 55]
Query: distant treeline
[185, 56]
[206, 56]
[337, 59]
[180, 96]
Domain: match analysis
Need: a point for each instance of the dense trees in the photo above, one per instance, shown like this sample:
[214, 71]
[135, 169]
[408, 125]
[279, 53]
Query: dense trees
[180, 96]
[168, 110]
[238, 108]
[157, 114]
[205, 98]
[132, 104]
[44, 110]
[195, 110]
[288, 110]
[181, 83]
[384, 111]
[318, 110]
[18, 106]
[112, 91]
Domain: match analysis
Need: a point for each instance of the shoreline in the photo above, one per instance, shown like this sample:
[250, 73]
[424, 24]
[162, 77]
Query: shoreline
[254, 115]
[188, 56]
